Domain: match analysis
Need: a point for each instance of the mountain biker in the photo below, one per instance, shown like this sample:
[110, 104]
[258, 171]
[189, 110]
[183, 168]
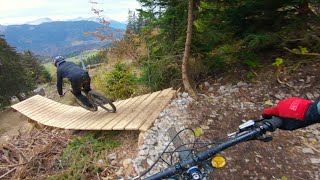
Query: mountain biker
[295, 112]
[78, 77]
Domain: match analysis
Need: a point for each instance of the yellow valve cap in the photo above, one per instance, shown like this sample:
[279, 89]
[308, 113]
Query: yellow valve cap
[198, 132]
[218, 162]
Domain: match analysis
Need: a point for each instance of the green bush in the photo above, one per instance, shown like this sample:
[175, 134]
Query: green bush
[261, 41]
[120, 83]
[45, 75]
[250, 59]
[160, 73]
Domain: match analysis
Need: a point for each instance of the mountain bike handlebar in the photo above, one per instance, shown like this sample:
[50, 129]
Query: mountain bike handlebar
[246, 134]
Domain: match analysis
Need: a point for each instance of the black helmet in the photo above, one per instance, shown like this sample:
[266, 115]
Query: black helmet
[58, 60]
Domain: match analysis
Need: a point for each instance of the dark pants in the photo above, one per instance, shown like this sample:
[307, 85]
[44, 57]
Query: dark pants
[82, 83]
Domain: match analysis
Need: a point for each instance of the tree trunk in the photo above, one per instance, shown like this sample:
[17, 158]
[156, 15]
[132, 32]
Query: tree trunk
[19, 97]
[185, 64]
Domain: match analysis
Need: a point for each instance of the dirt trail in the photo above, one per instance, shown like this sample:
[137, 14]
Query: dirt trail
[11, 122]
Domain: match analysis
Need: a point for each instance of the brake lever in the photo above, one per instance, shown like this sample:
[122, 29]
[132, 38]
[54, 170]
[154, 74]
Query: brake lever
[252, 124]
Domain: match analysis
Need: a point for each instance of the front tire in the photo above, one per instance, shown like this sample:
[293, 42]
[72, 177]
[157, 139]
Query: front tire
[93, 108]
[101, 101]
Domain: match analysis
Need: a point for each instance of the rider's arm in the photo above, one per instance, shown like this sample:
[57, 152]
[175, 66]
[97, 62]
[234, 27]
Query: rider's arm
[59, 82]
[295, 112]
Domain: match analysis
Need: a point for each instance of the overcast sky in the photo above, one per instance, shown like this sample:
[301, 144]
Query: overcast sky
[21, 11]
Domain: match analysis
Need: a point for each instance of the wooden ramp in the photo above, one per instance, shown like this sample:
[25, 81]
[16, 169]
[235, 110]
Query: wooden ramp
[136, 113]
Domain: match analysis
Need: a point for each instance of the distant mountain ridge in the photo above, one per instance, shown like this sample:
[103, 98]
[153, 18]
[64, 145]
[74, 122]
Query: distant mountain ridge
[56, 37]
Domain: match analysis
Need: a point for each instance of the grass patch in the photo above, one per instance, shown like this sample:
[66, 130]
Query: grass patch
[85, 156]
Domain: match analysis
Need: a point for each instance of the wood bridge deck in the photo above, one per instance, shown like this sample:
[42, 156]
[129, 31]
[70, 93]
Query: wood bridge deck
[136, 113]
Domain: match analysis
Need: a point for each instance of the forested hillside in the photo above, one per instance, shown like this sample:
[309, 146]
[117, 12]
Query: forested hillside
[19, 73]
[57, 37]
[226, 35]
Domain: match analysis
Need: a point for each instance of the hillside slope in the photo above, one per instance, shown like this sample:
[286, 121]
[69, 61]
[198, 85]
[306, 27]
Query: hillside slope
[224, 104]
[57, 37]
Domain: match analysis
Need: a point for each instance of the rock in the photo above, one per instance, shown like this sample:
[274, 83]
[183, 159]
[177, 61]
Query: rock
[126, 163]
[279, 96]
[150, 162]
[100, 161]
[211, 89]
[239, 84]
[234, 90]
[307, 151]
[39, 91]
[153, 153]
[111, 156]
[106, 178]
[204, 127]
[315, 132]
[308, 79]
[190, 99]
[113, 162]
[14, 100]
[184, 95]
[206, 84]
[150, 141]
[309, 96]
[119, 172]
[222, 89]
[144, 152]
[315, 160]
[233, 170]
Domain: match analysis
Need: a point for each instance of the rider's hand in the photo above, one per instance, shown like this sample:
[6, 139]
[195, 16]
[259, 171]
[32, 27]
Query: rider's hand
[295, 112]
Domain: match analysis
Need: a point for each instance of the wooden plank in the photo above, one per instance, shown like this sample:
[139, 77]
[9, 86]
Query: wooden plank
[29, 103]
[67, 113]
[139, 120]
[103, 121]
[155, 113]
[49, 112]
[80, 113]
[61, 120]
[135, 111]
[84, 114]
[50, 108]
[43, 103]
[96, 121]
[83, 118]
[125, 114]
[91, 115]
[39, 110]
[22, 103]
[90, 120]
[29, 109]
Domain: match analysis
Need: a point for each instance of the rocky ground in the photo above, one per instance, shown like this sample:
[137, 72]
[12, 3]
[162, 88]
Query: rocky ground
[222, 107]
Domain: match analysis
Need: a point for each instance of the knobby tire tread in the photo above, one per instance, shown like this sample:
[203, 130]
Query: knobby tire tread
[93, 95]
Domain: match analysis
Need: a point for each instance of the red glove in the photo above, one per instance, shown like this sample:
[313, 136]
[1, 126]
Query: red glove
[295, 112]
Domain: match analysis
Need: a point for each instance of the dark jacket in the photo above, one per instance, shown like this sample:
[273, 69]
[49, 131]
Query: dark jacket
[68, 70]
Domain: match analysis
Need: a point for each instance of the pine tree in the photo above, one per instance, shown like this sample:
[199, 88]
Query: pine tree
[14, 77]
